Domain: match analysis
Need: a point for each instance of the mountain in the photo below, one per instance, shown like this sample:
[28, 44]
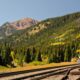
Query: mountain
[8, 28]
[51, 31]
[24, 23]
[51, 40]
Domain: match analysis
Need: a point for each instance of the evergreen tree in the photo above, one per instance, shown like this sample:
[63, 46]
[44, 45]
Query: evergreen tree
[28, 56]
[69, 53]
[39, 58]
[1, 61]
[34, 54]
[8, 57]
[66, 54]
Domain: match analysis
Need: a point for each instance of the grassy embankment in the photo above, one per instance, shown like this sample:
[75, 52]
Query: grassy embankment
[34, 66]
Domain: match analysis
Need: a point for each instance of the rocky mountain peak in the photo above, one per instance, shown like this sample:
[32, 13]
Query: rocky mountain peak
[24, 23]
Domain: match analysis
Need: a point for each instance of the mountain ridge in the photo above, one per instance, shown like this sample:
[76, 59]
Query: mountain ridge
[9, 28]
[50, 27]
[24, 23]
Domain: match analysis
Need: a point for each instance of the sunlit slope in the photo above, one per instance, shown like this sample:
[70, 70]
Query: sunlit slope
[50, 31]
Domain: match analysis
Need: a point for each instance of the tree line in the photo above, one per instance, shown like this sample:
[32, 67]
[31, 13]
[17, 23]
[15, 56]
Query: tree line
[14, 56]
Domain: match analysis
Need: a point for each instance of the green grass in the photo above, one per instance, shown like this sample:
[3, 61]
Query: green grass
[38, 63]
[3, 67]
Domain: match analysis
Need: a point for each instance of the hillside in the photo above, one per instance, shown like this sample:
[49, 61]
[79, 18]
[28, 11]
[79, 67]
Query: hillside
[50, 31]
[51, 40]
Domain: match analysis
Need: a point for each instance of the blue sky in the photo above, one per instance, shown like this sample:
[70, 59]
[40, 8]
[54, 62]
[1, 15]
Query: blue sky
[11, 10]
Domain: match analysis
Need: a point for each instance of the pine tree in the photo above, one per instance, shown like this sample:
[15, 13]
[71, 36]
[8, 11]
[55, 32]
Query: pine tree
[28, 56]
[39, 58]
[8, 58]
[65, 55]
[34, 54]
[1, 61]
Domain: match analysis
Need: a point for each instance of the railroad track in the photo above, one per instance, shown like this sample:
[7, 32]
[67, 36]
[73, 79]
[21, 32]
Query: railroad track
[39, 74]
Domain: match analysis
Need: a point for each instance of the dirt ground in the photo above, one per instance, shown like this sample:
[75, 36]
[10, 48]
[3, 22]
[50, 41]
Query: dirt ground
[29, 67]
